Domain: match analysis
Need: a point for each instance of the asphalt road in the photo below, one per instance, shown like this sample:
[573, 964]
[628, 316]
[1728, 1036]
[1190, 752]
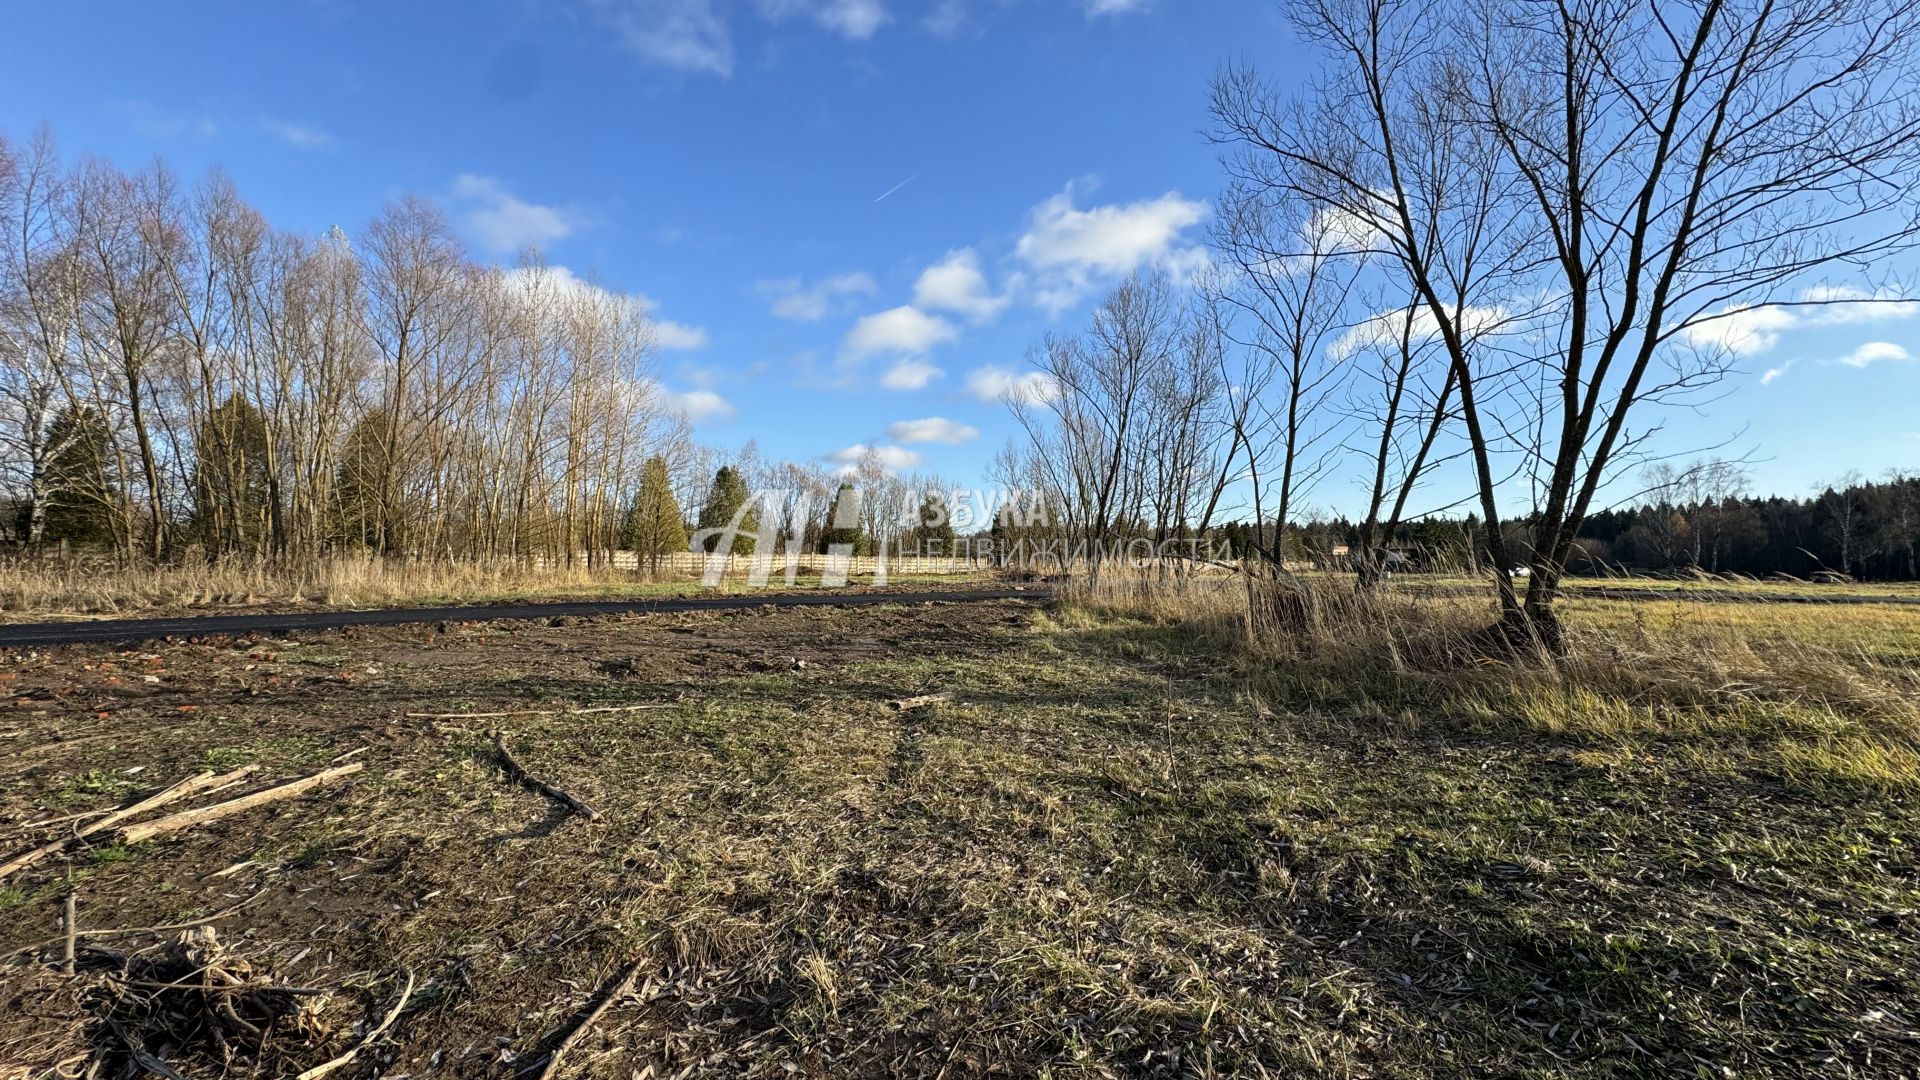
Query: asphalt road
[29, 635]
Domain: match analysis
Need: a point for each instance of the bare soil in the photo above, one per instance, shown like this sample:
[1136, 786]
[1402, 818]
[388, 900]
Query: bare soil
[1098, 857]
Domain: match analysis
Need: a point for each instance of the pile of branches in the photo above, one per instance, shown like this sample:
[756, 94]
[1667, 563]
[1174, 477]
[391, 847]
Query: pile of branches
[195, 999]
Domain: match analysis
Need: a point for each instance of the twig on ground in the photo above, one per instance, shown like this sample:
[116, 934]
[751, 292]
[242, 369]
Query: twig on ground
[72, 927]
[191, 785]
[620, 990]
[133, 930]
[519, 774]
[919, 702]
[537, 712]
[322, 1069]
[186, 819]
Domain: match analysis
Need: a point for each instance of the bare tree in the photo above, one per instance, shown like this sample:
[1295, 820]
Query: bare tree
[125, 229]
[1844, 511]
[1617, 175]
[40, 296]
[1290, 277]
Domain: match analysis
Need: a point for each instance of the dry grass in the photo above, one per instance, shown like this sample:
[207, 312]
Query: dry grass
[1130, 844]
[97, 588]
[1829, 689]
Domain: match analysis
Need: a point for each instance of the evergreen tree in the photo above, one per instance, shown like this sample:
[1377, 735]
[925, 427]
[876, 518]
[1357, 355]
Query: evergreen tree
[232, 490]
[85, 493]
[728, 495]
[933, 530]
[362, 482]
[654, 526]
[843, 523]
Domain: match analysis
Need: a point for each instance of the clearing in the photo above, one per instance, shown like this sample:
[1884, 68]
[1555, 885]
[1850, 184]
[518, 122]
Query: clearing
[1114, 850]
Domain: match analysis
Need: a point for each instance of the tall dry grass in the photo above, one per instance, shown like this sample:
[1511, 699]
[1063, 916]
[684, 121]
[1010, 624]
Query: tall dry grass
[1834, 689]
[52, 589]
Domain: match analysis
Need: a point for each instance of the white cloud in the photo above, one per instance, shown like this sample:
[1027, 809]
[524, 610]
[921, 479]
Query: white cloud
[673, 335]
[933, 429]
[1383, 330]
[1872, 353]
[855, 19]
[1842, 304]
[698, 405]
[694, 35]
[560, 281]
[1743, 330]
[1746, 329]
[306, 138]
[956, 284]
[800, 302]
[687, 35]
[890, 458]
[1114, 7]
[998, 384]
[947, 18]
[1338, 230]
[503, 222]
[910, 375]
[903, 330]
[1073, 249]
[549, 282]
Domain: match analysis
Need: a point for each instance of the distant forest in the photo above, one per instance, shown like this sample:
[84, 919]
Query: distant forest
[1863, 529]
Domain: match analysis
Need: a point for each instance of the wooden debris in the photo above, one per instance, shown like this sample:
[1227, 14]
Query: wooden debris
[197, 995]
[131, 931]
[537, 712]
[72, 927]
[908, 704]
[322, 1069]
[187, 819]
[192, 785]
[525, 779]
[620, 990]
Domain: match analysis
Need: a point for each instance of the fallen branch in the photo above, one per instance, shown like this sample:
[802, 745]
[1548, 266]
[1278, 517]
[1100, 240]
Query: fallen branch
[535, 712]
[531, 782]
[187, 819]
[129, 931]
[910, 703]
[622, 989]
[72, 927]
[192, 785]
[322, 1069]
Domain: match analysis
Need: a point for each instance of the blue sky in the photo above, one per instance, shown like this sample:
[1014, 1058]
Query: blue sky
[850, 215]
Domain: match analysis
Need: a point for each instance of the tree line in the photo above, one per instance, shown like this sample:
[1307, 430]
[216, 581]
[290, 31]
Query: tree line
[180, 379]
[1472, 260]
[1856, 528]
[178, 375]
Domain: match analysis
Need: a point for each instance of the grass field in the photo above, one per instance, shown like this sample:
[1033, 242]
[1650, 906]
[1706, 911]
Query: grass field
[1131, 843]
[52, 591]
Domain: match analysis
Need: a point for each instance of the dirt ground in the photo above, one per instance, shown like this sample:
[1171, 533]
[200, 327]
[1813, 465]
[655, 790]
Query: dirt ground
[1097, 858]
[429, 845]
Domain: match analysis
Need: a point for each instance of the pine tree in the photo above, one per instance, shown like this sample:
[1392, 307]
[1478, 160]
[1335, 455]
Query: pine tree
[85, 493]
[654, 525]
[843, 523]
[232, 491]
[728, 495]
[933, 530]
[362, 481]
